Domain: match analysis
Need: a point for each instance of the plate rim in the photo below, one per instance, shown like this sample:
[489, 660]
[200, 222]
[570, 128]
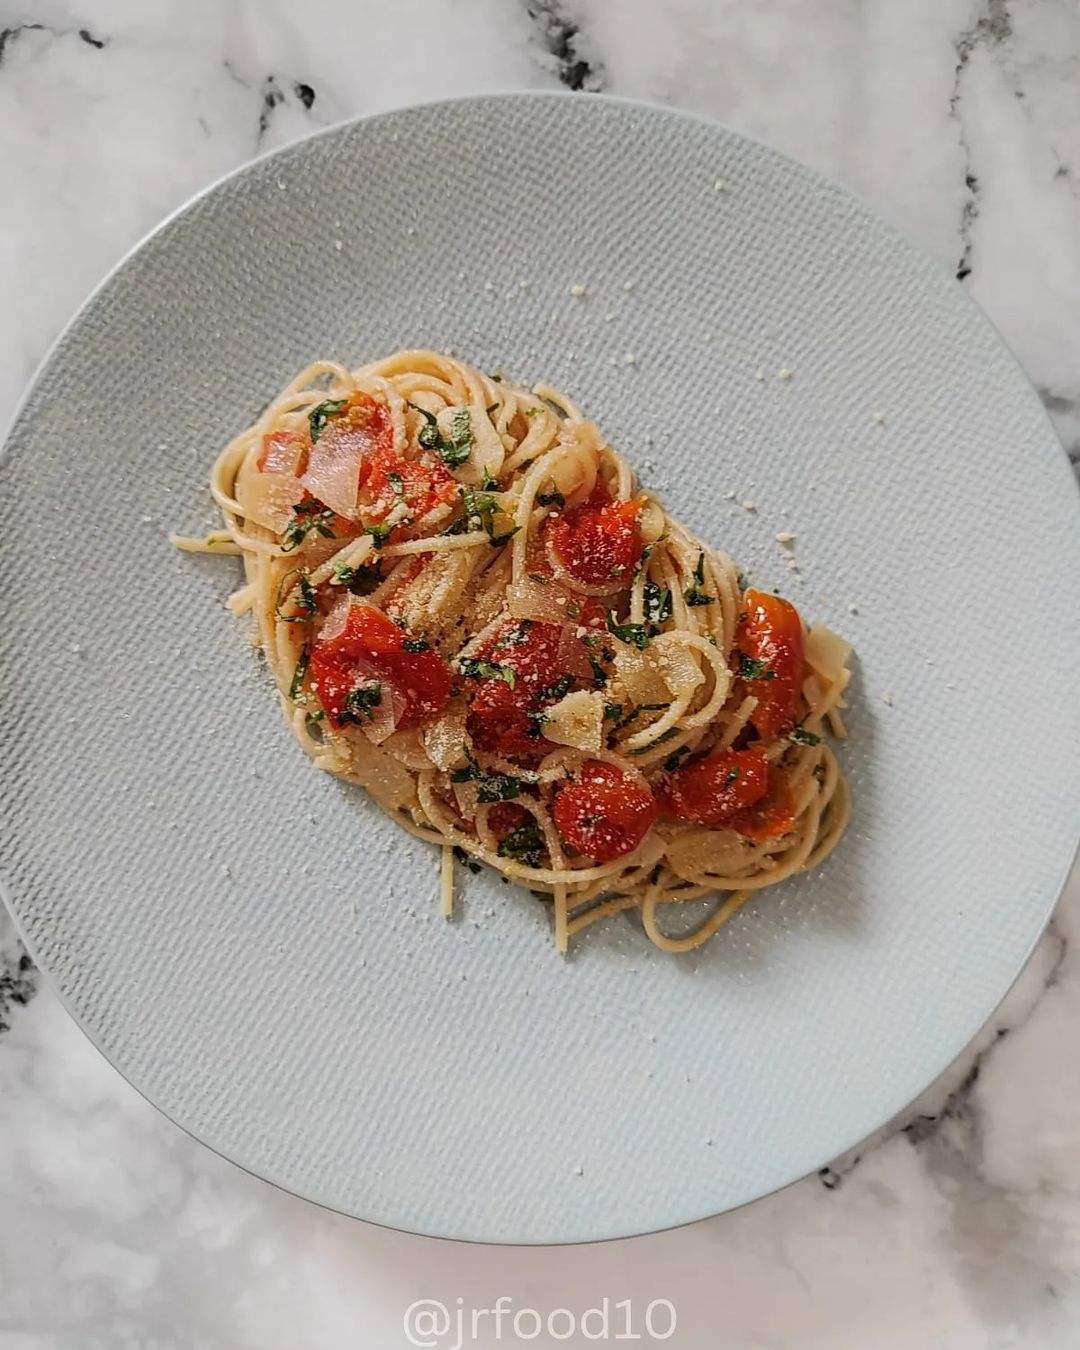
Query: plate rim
[820, 180]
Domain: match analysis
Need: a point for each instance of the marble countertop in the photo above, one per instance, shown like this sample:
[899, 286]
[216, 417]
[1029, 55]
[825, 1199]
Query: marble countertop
[958, 1226]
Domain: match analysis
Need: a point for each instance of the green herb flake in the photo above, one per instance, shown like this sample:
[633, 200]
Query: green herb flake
[498, 539]
[694, 595]
[361, 702]
[752, 668]
[307, 516]
[322, 413]
[417, 644]
[599, 674]
[612, 712]
[299, 674]
[658, 602]
[675, 758]
[379, 533]
[732, 775]
[524, 845]
[801, 736]
[552, 498]
[636, 634]
[486, 670]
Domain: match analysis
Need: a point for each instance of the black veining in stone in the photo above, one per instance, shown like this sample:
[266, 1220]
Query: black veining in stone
[272, 96]
[8, 35]
[562, 39]
[991, 28]
[18, 982]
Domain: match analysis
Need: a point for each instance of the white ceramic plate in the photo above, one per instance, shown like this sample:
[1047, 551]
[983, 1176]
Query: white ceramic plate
[257, 948]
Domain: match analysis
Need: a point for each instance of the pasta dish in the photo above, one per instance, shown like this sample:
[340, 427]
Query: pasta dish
[472, 610]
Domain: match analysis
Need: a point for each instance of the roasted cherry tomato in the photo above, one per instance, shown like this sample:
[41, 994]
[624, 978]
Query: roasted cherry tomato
[599, 542]
[713, 790]
[771, 665]
[602, 812]
[387, 478]
[770, 817]
[505, 817]
[421, 678]
[520, 671]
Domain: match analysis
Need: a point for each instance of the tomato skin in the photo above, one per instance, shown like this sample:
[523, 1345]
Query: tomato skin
[504, 817]
[499, 720]
[422, 679]
[712, 791]
[770, 817]
[425, 483]
[771, 632]
[599, 542]
[603, 813]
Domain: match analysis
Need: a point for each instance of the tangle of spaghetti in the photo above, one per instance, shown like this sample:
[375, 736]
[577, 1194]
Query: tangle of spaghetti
[472, 611]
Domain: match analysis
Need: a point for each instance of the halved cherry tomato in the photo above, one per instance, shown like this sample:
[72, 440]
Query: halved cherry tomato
[422, 679]
[770, 636]
[535, 655]
[770, 817]
[602, 812]
[713, 790]
[505, 817]
[598, 542]
[422, 484]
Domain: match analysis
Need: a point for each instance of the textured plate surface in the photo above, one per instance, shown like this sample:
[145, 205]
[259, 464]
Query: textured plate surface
[257, 948]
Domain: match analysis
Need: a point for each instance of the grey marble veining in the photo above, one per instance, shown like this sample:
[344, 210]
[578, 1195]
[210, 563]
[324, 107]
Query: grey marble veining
[958, 1226]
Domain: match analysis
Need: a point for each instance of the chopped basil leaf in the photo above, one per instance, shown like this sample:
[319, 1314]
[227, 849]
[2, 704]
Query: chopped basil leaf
[486, 670]
[552, 498]
[524, 845]
[675, 758]
[497, 539]
[418, 644]
[321, 414]
[488, 483]
[379, 534]
[311, 724]
[694, 595]
[599, 674]
[361, 702]
[636, 634]
[360, 580]
[299, 673]
[658, 603]
[612, 711]
[559, 689]
[751, 668]
[498, 787]
[305, 603]
[732, 775]
[646, 554]
[307, 516]
[397, 483]
[461, 439]
[479, 506]
[803, 737]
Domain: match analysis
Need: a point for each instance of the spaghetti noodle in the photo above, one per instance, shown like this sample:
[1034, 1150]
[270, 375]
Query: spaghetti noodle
[471, 610]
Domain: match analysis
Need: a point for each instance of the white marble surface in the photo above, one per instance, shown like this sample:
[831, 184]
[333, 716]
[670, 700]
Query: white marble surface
[958, 1227]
